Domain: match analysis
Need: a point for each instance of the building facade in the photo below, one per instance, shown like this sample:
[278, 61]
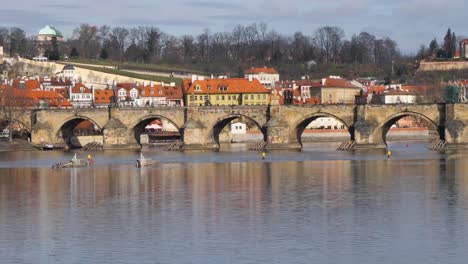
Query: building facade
[234, 91]
[334, 90]
[268, 77]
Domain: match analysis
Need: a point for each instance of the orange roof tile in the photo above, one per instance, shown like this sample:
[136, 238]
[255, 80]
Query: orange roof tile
[341, 83]
[103, 96]
[79, 86]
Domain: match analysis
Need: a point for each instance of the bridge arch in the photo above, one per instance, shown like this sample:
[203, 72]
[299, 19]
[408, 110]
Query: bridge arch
[300, 126]
[391, 120]
[23, 130]
[69, 135]
[138, 127]
[224, 121]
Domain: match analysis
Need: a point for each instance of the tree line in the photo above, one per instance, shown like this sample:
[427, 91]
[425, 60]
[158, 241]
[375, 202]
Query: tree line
[253, 44]
[445, 50]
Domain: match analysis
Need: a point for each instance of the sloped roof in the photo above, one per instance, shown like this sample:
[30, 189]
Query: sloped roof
[338, 82]
[103, 96]
[79, 86]
[261, 70]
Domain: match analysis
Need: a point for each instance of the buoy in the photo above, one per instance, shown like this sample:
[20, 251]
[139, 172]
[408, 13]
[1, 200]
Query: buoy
[389, 153]
[263, 155]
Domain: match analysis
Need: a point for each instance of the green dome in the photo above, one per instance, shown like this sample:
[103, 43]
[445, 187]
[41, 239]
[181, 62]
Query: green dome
[50, 31]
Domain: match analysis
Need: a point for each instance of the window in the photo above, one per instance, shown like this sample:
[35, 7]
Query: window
[229, 97]
[197, 87]
[264, 97]
[246, 97]
[196, 98]
[217, 97]
[222, 97]
[258, 97]
[251, 97]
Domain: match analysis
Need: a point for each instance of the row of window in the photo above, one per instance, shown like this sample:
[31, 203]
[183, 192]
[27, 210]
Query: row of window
[82, 96]
[228, 97]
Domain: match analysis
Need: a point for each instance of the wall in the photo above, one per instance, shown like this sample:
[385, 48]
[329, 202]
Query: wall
[443, 66]
[100, 80]
[339, 95]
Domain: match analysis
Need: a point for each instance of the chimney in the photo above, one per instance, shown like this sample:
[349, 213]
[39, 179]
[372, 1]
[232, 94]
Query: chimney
[250, 78]
[144, 84]
[151, 83]
[323, 81]
[194, 77]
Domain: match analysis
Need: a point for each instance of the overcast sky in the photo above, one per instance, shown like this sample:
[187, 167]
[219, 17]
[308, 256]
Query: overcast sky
[409, 22]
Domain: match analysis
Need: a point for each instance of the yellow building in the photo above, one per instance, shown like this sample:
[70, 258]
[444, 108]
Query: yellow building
[233, 91]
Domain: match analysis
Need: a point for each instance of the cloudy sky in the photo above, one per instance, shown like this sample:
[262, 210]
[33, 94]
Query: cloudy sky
[409, 22]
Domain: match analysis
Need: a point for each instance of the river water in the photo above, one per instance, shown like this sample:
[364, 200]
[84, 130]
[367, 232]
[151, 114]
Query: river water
[315, 206]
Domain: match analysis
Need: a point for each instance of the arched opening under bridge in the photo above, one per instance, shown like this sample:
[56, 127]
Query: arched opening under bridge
[80, 131]
[19, 131]
[238, 133]
[156, 130]
[322, 130]
[410, 131]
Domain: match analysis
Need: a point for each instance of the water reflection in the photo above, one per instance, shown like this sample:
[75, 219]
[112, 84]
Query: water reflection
[325, 211]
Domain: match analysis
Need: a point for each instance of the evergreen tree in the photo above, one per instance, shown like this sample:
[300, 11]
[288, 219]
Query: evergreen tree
[454, 44]
[74, 53]
[103, 55]
[448, 46]
[54, 54]
[433, 47]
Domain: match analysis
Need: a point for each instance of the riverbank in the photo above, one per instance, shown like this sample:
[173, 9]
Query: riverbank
[16, 145]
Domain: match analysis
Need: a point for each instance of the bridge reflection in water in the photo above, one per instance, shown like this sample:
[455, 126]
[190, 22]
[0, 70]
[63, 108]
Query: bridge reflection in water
[362, 207]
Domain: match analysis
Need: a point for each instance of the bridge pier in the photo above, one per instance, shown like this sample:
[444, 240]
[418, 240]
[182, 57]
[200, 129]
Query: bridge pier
[279, 136]
[197, 136]
[117, 136]
[366, 134]
[456, 126]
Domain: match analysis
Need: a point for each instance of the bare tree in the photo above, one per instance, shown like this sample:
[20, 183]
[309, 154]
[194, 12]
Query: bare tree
[329, 41]
[87, 40]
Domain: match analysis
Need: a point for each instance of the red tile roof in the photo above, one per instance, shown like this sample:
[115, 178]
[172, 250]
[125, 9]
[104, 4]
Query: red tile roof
[79, 86]
[103, 96]
[337, 82]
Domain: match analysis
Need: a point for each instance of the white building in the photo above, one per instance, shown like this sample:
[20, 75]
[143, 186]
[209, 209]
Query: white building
[326, 123]
[238, 128]
[68, 72]
[267, 76]
[81, 96]
[150, 96]
[398, 97]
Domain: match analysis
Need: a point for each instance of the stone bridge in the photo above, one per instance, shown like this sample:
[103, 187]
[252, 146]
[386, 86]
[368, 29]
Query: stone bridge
[281, 126]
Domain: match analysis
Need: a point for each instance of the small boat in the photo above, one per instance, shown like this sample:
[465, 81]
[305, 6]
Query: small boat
[144, 162]
[73, 163]
[48, 147]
